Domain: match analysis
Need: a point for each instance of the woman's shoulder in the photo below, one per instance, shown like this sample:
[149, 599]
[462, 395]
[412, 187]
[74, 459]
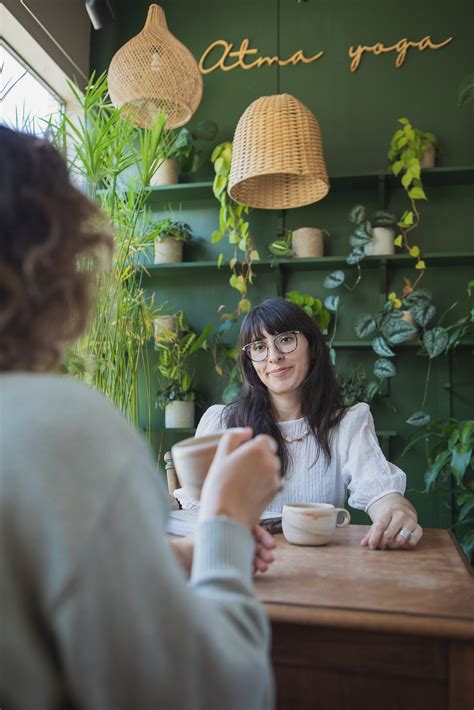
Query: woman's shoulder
[355, 416]
[212, 420]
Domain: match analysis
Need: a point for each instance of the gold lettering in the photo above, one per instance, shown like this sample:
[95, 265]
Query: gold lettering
[298, 57]
[241, 54]
[357, 54]
[266, 60]
[220, 63]
[244, 52]
[401, 48]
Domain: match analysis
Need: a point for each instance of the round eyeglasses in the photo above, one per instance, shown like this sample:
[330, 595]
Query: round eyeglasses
[284, 342]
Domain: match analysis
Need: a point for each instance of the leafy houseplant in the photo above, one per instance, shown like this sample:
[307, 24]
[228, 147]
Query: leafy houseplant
[406, 150]
[169, 235]
[234, 226]
[355, 387]
[451, 459]
[190, 145]
[392, 329]
[174, 350]
[313, 307]
[360, 237]
[282, 247]
[115, 161]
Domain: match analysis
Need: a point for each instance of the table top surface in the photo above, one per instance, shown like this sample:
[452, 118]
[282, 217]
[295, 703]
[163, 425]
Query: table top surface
[426, 590]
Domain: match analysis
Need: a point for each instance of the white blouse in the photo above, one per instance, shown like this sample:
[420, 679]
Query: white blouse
[357, 463]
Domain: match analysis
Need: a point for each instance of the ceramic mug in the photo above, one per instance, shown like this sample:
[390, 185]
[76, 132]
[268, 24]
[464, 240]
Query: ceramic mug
[192, 459]
[312, 523]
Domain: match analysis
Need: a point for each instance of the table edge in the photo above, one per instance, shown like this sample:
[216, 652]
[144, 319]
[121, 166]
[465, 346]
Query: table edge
[381, 621]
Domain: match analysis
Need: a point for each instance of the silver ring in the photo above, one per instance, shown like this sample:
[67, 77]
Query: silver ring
[406, 533]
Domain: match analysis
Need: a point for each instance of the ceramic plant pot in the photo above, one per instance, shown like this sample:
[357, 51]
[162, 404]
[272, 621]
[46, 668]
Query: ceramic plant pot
[167, 174]
[168, 251]
[308, 242]
[179, 415]
[407, 316]
[428, 158]
[381, 242]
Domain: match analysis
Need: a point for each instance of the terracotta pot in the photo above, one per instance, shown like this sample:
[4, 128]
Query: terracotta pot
[409, 319]
[381, 242]
[164, 325]
[428, 158]
[179, 415]
[308, 242]
[168, 251]
[167, 173]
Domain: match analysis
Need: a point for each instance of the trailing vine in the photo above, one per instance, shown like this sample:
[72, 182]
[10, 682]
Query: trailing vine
[233, 225]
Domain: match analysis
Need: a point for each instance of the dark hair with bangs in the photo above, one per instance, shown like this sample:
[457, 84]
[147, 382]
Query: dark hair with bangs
[321, 401]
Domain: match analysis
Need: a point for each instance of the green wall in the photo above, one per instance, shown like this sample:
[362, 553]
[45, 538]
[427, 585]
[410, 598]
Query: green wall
[358, 114]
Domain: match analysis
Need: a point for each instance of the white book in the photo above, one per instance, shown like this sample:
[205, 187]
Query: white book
[184, 522]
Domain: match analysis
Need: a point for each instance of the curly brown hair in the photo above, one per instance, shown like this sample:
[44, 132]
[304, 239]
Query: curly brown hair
[50, 238]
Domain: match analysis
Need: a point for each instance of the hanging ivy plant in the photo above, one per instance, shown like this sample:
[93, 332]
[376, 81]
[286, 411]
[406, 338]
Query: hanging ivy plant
[233, 225]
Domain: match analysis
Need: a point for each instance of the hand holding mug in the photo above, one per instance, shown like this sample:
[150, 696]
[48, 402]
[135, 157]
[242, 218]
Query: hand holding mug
[243, 478]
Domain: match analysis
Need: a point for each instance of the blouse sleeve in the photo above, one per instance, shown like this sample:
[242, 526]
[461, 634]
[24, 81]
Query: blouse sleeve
[211, 421]
[366, 472]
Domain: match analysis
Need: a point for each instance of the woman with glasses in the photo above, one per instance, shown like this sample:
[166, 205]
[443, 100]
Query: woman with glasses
[326, 449]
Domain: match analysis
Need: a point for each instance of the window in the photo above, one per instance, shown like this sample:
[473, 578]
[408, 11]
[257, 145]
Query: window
[26, 101]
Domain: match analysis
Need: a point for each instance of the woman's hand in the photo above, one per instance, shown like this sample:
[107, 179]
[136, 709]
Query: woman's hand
[263, 551]
[183, 548]
[391, 515]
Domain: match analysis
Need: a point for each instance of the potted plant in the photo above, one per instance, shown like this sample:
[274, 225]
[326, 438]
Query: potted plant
[355, 387]
[175, 394]
[185, 155]
[169, 236]
[282, 247]
[115, 159]
[373, 235]
[410, 144]
[308, 242]
[313, 307]
[450, 465]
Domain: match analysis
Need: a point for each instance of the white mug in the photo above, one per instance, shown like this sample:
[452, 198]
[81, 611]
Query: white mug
[312, 523]
[192, 459]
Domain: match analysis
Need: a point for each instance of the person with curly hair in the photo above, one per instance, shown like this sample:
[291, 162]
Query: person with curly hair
[96, 610]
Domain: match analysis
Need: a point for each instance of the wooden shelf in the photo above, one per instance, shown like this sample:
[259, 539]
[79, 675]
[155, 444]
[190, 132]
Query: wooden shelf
[454, 175]
[367, 344]
[322, 263]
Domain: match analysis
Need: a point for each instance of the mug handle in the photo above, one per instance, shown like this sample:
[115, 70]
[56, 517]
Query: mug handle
[347, 517]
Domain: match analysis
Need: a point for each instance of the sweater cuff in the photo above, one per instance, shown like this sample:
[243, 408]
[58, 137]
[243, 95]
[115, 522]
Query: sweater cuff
[222, 547]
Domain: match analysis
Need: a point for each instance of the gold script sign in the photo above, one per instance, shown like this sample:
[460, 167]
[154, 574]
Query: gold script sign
[228, 58]
[401, 48]
[243, 52]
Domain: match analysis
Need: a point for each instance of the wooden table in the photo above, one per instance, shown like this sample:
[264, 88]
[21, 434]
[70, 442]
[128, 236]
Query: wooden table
[376, 630]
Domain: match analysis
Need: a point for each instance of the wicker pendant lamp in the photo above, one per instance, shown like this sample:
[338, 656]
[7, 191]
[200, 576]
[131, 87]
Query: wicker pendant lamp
[277, 155]
[154, 72]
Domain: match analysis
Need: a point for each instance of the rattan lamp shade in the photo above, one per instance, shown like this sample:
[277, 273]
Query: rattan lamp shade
[154, 72]
[277, 155]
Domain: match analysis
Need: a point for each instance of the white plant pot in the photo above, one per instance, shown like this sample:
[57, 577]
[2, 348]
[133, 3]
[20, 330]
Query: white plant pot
[407, 316]
[167, 174]
[179, 415]
[168, 251]
[164, 325]
[308, 242]
[428, 158]
[381, 242]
